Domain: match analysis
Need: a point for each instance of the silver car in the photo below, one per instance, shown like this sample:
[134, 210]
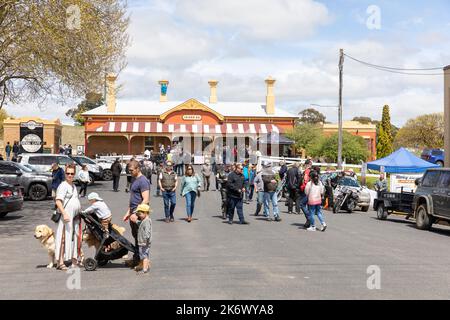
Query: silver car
[363, 192]
[36, 186]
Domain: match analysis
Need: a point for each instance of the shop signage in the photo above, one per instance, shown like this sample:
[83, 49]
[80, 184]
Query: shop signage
[405, 181]
[31, 136]
[195, 117]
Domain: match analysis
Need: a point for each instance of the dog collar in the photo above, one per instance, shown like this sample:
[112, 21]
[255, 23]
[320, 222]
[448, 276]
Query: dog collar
[48, 237]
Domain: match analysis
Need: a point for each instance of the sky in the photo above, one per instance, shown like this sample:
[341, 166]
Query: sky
[242, 42]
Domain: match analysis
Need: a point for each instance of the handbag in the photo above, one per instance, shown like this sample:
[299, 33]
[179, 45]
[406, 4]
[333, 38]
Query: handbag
[56, 215]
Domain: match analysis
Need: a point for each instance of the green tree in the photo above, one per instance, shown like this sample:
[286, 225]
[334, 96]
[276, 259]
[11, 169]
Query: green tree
[306, 136]
[3, 116]
[311, 116]
[92, 100]
[425, 131]
[363, 120]
[59, 49]
[385, 140]
[354, 148]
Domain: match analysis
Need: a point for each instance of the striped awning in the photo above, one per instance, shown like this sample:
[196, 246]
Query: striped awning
[157, 127]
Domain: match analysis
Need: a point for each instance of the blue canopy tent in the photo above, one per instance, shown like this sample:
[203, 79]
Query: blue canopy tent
[401, 161]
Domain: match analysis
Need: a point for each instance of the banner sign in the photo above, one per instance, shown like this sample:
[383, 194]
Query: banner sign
[31, 137]
[407, 181]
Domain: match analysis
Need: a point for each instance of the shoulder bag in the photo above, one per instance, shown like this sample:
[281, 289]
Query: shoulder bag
[56, 215]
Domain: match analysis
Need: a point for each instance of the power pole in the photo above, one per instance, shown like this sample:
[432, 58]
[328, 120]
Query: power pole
[341, 69]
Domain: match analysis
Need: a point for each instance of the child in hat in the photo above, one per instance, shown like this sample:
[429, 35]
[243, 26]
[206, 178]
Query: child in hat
[101, 210]
[144, 238]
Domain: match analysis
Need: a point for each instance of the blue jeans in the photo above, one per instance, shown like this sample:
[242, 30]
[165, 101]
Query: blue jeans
[271, 197]
[313, 210]
[238, 204]
[247, 189]
[303, 203]
[190, 202]
[170, 201]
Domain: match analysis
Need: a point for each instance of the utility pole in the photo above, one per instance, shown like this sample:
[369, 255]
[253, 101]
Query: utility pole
[341, 69]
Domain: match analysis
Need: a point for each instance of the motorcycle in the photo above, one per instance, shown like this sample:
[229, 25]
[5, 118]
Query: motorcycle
[282, 188]
[347, 199]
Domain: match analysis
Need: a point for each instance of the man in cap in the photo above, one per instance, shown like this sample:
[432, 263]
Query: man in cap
[168, 183]
[270, 194]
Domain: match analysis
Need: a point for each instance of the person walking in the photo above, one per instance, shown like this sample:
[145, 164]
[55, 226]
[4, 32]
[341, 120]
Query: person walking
[159, 169]
[168, 183]
[68, 232]
[222, 177]
[206, 173]
[293, 181]
[15, 149]
[246, 173]
[252, 175]
[116, 169]
[259, 187]
[190, 188]
[129, 175]
[139, 194]
[270, 195]
[283, 169]
[236, 190]
[314, 191]
[84, 179]
[8, 151]
[303, 199]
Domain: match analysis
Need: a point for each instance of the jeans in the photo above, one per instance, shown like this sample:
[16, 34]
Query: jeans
[116, 183]
[271, 197]
[251, 191]
[313, 210]
[170, 201]
[206, 183]
[303, 201]
[190, 202]
[247, 189]
[259, 202]
[238, 204]
[83, 189]
[223, 193]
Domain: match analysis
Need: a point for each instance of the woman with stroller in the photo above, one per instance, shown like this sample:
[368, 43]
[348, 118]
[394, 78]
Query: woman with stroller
[190, 188]
[68, 230]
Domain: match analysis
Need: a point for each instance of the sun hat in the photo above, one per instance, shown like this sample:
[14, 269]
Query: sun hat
[94, 196]
[143, 208]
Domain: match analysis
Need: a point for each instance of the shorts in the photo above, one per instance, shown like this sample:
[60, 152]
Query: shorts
[144, 252]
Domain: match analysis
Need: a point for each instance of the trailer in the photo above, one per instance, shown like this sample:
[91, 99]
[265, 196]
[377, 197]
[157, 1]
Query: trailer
[393, 203]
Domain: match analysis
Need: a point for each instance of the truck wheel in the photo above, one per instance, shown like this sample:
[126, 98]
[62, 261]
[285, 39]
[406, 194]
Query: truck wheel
[37, 192]
[365, 209]
[423, 219]
[107, 175]
[381, 212]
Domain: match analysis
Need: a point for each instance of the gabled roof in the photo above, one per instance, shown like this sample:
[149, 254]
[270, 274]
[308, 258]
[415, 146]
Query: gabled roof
[156, 108]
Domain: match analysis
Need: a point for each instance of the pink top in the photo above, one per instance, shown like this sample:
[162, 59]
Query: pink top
[314, 193]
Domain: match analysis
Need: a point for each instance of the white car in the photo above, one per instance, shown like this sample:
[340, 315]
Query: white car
[363, 192]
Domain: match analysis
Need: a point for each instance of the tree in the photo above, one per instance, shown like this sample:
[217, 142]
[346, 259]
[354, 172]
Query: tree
[363, 120]
[425, 131]
[306, 136]
[385, 140]
[354, 148]
[92, 100]
[59, 49]
[3, 116]
[311, 116]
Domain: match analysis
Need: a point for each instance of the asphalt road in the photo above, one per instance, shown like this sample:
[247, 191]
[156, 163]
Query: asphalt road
[209, 259]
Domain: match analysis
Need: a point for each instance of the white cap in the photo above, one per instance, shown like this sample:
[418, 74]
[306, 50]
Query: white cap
[94, 196]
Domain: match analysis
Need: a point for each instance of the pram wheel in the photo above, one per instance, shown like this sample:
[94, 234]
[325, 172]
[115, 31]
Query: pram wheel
[90, 264]
[102, 263]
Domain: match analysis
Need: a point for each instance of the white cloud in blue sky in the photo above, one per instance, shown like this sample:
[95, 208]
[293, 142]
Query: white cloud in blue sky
[297, 42]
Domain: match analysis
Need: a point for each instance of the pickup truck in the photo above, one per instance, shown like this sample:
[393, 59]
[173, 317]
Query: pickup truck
[431, 202]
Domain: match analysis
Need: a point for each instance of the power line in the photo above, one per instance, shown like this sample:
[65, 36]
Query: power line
[392, 68]
[408, 73]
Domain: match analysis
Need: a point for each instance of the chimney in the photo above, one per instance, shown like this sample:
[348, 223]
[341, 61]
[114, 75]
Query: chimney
[213, 91]
[270, 98]
[111, 93]
[163, 95]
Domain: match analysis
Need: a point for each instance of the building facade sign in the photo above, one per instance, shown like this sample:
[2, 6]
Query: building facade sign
[194, 117]
[31, 137]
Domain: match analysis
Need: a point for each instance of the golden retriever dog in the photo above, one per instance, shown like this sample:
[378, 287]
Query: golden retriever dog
[46, 237]
[92, 241]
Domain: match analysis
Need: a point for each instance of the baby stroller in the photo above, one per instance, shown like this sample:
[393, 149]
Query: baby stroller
[102, 255]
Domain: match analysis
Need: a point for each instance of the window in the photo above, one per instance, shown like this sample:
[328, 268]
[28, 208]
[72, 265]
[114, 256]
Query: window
[444, 181]
[63, 161]
[7, 169]
[41, 160]
[437, 152]
[431, 179]
[148, 143]
[349, 182]
[84, 160]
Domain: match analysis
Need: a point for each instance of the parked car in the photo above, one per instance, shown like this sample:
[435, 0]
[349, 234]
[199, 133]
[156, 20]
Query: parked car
[34, 185]
[435, 156]
[106, 168]
[11, 199]
[95, 170]
[431, 202]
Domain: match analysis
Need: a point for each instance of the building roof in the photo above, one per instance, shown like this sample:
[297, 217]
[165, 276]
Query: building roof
[36, 119]
[156, 108]
[350, 125]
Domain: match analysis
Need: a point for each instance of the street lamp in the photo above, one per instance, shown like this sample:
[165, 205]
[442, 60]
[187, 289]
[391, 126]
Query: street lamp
[339, 162]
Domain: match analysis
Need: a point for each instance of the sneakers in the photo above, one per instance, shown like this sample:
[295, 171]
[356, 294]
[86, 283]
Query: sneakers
[290, 212]
[324, 227]
[230, 221]
[312, 228]
[244, 222]
[172, 219]
[277, 219]
[166, 220]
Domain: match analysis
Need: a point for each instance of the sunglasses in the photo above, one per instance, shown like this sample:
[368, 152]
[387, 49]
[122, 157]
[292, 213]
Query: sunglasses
[70, 173]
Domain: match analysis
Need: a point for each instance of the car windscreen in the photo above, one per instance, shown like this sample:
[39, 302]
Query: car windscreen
[426, 152]
[349, 182]
[23, 168]
[437, 152]
[84, 160]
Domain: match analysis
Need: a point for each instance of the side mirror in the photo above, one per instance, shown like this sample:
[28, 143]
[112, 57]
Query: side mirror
[19, 173]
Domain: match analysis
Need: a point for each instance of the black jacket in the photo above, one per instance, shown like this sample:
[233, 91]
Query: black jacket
[293, 177]
[235, 185]
[116, 168]
[283, 171]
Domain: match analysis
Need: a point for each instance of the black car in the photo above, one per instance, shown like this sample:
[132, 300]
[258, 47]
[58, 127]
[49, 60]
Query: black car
[432, 198]
[11, 199]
